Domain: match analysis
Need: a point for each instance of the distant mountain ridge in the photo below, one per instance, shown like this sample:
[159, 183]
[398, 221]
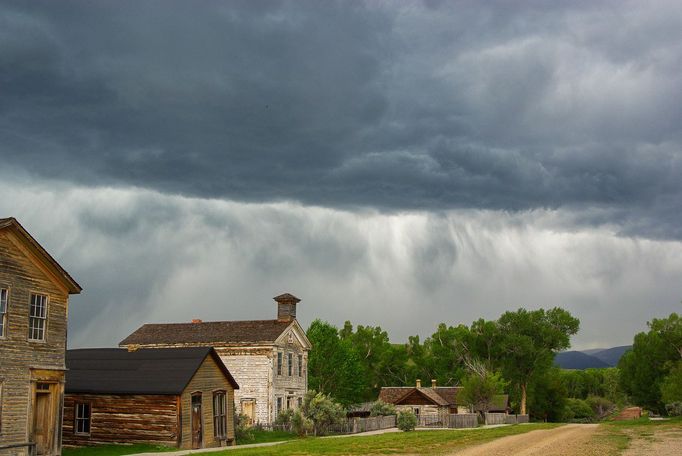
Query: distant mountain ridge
[590, 359]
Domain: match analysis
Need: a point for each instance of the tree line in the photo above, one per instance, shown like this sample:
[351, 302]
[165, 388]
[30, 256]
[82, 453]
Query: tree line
[514, 353]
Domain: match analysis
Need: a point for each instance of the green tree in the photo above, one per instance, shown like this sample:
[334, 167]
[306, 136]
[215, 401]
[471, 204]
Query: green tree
[373, 350]
[671, 387]
[529, 342]
[652, 357]
[547, 396]
[333, 365]
[322, 411]
[480, 388]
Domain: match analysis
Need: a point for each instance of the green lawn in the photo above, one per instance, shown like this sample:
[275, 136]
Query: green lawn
[115, 450]
[268, 436]
[419, 442]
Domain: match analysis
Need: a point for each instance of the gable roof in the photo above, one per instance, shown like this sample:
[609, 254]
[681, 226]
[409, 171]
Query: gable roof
[45, 258]
[144, 371]
[211, 332]
[440, 395]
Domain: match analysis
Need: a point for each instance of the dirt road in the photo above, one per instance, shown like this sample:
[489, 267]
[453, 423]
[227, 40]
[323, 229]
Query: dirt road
[572, 439]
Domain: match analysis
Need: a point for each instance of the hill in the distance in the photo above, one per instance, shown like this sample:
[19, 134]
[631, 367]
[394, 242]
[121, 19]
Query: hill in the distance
[588, 359]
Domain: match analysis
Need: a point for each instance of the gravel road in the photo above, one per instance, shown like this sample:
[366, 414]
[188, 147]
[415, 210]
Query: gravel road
[569, 440]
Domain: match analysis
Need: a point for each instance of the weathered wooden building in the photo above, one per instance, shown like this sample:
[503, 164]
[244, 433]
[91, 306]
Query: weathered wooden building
[436, 400]
[268, 358]
[34, 294]
[179, 397]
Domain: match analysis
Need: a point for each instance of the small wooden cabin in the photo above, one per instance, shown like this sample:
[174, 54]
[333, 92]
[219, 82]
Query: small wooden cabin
[181, 397]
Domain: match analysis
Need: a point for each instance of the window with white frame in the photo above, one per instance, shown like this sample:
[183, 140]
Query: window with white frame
[278, 410]
[37, 320]
[3, 311]
[219, 415]
[83, 416]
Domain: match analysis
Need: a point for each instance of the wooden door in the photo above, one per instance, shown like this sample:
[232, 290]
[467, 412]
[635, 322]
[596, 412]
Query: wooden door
[197, 430]
[42, 422]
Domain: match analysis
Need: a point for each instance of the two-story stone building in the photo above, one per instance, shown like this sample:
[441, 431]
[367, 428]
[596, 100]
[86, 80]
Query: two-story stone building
[268, 358]
[34, 294]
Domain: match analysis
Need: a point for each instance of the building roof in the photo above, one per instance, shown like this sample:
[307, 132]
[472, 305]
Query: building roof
[211, 332]
[57, 271]
[144, 371]
[440, 395]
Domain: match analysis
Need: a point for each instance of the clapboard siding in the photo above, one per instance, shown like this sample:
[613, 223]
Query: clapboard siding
[22, 274]
[207, 380]
[124, 419]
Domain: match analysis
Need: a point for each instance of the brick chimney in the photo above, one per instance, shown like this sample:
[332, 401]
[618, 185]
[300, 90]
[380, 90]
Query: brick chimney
[419, 383]
[286, 307]
[433, 383]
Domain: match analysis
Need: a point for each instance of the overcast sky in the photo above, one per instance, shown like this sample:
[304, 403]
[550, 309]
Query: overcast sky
[391, 163]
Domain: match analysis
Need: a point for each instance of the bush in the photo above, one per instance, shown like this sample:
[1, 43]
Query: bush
[578, 410]
[242, 431]
[322, 411]
[600, 406]
[284, 417]
[381, 408]
[300, 424]
[407, 420]
[674, 409]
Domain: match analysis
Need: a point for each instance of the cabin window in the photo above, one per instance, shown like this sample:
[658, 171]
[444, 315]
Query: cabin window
[83, 416]
[279, 363]
[220, 415]
[290, 364]
[37, 317]
[3, 311]
[300, 365]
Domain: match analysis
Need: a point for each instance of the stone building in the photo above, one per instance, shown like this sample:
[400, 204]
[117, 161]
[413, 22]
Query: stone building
[268, 358]
[34, 295]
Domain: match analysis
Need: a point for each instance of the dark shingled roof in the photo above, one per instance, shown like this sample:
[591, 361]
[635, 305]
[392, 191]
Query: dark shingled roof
[144, 371]
[211, 332]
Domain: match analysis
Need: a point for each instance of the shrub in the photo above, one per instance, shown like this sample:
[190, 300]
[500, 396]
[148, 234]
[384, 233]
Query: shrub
[322, 411]
[243, 432]
[300, 424]
[381, 408]
[407, 420]
[600, 406]
[284, 417]
[578, 410]
[674, 409]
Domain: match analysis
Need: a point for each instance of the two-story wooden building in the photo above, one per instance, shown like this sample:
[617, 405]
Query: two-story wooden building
[268, 358]
[34, 294]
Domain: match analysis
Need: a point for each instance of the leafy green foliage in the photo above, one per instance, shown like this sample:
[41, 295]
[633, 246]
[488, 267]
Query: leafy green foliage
[653, 356]
[479, 389]
[300, 424]
[333, 365]
[671, 387]
[529, 342]
[243, 431]
[322, 411]
[578, 410]
[381, 408]
[406, 420]
[547, 396]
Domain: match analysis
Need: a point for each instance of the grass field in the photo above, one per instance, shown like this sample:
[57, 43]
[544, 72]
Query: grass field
[417, 442]
[268, 436]
[617, 436]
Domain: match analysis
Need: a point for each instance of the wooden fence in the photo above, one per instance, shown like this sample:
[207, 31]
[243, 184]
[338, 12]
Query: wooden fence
[496, 418]
[372, 423]
[516, 419]
[459, 420]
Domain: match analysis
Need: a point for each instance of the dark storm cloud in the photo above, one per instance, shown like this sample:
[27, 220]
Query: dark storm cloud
[394, 106]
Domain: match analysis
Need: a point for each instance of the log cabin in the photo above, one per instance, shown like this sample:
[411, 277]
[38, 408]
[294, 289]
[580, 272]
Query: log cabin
[34, 296]
[180, 397]
[268, 358]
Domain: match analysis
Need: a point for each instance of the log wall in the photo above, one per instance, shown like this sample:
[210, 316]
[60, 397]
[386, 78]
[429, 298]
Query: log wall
[124, 419]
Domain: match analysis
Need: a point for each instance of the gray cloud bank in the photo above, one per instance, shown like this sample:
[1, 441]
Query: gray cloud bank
[390, 106]
[147, 257]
